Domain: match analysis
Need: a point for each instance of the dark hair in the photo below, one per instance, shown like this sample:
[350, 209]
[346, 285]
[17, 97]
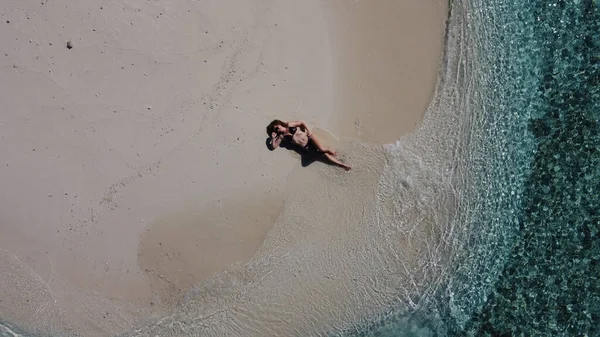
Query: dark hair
[271, 126]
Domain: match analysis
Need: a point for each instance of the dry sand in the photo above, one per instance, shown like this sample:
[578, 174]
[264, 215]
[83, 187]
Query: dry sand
[133, 159]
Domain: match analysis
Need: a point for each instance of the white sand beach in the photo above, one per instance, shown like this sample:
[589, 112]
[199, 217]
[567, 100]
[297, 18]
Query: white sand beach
[132, 137]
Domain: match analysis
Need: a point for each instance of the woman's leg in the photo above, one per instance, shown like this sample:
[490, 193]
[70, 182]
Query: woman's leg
[328, 153]
[320, 146]
[337, 161]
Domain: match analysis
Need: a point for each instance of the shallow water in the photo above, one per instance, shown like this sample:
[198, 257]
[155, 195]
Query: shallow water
[481, 222]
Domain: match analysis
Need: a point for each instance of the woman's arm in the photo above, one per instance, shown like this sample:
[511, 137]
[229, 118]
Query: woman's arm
[301, 124]
[276, 140]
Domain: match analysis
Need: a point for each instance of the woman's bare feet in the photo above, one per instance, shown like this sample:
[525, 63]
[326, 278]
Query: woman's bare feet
[336, 161]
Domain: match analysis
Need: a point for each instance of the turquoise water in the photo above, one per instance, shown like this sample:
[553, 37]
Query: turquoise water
[511, 144]
[530, 266]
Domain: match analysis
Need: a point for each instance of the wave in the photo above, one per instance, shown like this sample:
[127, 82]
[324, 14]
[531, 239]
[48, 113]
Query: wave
[6, 329]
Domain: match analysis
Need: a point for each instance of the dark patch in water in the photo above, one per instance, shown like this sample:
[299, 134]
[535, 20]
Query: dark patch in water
[550, 284]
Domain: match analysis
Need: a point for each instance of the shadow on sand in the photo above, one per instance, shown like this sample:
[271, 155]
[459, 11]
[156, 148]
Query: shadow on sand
[307, 157]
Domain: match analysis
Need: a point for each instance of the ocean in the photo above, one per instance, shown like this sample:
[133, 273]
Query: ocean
[483, 222]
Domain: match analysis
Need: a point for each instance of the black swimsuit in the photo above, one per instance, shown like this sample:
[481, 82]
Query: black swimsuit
[310, 146]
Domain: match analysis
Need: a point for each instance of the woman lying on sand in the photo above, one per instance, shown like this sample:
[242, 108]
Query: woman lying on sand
[297, 133]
